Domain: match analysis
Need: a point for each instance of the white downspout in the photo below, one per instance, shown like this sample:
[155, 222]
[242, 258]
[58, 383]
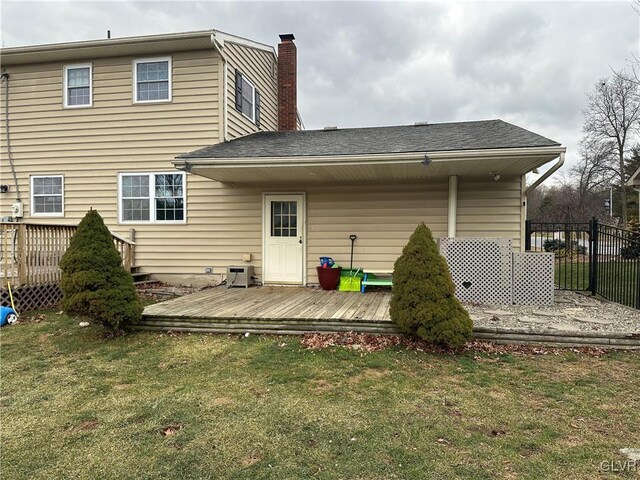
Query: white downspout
[546, 175]
[452, 209]
[218, 47]
[536, 184]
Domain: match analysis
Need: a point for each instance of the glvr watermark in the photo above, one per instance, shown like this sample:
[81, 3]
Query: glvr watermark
[618, 466]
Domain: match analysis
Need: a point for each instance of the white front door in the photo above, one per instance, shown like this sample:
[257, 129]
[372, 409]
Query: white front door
[284, 227]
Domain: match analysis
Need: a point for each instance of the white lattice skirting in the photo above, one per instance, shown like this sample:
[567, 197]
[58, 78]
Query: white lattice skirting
[488, 271]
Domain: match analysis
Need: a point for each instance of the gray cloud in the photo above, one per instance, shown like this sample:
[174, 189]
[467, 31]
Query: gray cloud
[364, 64]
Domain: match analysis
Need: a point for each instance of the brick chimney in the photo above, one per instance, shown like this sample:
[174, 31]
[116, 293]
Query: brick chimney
[287, 83]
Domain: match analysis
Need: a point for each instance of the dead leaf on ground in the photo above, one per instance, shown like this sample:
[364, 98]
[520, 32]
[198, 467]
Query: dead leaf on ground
[171, 429]
[368, 342]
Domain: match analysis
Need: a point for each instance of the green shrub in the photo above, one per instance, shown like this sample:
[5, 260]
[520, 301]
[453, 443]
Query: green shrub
[94, 282]
[423, 300]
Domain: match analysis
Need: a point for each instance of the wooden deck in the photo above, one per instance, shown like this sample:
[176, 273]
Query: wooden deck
[297, 310]
[272, 309]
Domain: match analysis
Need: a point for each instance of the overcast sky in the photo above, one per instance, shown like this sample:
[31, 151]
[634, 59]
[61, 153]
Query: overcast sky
[368, 64]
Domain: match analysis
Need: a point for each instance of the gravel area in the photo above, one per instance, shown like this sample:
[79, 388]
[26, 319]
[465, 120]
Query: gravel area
[571, 312]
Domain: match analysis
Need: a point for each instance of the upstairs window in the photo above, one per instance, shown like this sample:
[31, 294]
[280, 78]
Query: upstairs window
[77, 86]
[47, 195]
[152, 197]
[152, 80]
[247, 98]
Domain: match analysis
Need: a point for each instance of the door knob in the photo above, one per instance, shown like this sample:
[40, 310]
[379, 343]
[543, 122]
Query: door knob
[300, 240]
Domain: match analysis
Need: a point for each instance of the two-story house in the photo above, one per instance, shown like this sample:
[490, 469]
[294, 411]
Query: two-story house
[97, 124]
[192, 140]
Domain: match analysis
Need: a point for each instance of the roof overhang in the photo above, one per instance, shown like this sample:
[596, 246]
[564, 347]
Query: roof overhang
[387, 167]
[634, 180]
[135, 46]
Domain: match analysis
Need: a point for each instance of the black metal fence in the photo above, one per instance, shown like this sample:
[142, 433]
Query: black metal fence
[594, 257]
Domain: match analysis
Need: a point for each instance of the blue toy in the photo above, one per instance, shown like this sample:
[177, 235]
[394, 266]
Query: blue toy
[8, 316]
[328, 260]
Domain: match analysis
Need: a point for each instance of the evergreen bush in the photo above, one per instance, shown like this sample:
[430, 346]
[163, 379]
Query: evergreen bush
[94, 282]
[423, 299]
[631, 250]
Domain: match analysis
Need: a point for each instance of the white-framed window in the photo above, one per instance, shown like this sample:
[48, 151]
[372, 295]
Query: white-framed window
[47, 195]
[78, 89]
[152, 80]
[247, 98]
[152, 197]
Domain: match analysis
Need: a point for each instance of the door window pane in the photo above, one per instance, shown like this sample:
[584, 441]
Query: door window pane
[284, 220]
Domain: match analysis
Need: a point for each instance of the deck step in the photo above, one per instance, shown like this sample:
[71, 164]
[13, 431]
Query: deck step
[239, 325]
[303, 326]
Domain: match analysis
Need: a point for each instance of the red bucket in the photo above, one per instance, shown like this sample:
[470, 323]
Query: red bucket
[329, 278]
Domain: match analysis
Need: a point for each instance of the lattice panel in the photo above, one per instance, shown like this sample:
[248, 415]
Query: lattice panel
[480, 268]
[533, 278]
[32, 297]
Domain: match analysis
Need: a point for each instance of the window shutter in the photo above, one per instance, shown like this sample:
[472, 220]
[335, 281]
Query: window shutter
[257, 108]
[238, 90]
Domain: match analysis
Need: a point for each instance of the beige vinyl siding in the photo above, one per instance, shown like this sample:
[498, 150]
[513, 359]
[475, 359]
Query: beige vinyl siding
[382, 216]
[259, 67]
[487, 208]
[90, 146]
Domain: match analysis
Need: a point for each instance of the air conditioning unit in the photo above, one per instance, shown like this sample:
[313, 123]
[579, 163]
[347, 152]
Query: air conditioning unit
[239, 276]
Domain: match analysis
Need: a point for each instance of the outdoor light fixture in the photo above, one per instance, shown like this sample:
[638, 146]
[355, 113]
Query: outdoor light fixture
[427, 161]
[4, 188]
[496, 176]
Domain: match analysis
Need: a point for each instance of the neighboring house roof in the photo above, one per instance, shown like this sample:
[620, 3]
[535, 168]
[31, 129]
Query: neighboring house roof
[635, 178]
[138, 45]
[478, 135]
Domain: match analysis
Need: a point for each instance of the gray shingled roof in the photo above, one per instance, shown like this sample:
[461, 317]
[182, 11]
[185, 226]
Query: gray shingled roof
[486, 134]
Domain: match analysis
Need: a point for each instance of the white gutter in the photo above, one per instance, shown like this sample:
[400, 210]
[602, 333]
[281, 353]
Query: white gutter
[324, 160]
[452, 208]
[546, 175]
[301, 161]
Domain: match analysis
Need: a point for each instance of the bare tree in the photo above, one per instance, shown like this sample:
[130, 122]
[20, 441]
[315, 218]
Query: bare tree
[596, 169]
[611, 119]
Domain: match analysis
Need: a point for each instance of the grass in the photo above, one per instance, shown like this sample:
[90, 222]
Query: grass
[143, 406]
[617, 280]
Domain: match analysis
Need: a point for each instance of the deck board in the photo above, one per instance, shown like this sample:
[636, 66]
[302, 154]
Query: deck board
[304, 304]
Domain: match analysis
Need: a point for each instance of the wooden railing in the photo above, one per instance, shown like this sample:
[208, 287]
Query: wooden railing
[30, 254]
[126, 248]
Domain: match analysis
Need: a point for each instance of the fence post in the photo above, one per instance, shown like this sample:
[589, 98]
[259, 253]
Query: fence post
[22, 254]
[593, 254]
[132, 247]
[527, 235]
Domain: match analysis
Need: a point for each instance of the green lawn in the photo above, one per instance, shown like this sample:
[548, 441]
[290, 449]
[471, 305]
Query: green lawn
[74, 405]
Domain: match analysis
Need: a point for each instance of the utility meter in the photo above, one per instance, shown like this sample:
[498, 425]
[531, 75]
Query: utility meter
[17, 210]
